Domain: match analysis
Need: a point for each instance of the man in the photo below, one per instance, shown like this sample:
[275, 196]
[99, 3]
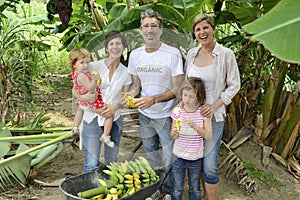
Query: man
[157, 71]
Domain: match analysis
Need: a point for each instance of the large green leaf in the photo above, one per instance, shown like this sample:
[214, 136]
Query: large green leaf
[246, 12]
[278, 30]
[17, 167]
[4, 145]
[269, 4]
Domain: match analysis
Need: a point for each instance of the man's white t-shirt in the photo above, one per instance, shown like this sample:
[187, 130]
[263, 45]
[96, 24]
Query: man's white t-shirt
[111, 89]
[155, 70]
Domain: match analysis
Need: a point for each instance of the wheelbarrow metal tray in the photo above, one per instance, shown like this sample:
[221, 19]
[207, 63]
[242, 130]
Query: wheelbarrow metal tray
[71, 186]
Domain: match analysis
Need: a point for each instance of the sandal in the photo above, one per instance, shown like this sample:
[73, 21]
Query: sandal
[106, 139]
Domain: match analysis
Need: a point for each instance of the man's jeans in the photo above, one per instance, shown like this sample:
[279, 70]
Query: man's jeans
[153, 133]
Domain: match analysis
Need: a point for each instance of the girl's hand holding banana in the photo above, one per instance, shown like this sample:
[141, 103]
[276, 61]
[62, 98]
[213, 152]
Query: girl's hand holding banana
[96, 76]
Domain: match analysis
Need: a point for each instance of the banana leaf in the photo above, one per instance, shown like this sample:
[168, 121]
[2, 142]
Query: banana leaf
[16, 168]
[28, 139]
[278, 30]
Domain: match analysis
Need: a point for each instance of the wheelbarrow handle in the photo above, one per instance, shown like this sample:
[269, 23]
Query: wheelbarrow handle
[165, 176]
[134, 150]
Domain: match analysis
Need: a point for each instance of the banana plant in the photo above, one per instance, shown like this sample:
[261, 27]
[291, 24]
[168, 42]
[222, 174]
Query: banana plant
[33, 150]
[271, 30]
[20, 51]
[32, 145]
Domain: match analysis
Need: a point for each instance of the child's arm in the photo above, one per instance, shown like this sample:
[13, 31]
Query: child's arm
[84, 81]
[174, 130]
[88, 97]
[205, 132]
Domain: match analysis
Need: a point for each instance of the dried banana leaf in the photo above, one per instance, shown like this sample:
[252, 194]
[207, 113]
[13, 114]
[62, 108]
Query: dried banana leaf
[279, 159]
[232, 165]
[267, 131]
[293, 166]
[244, 134]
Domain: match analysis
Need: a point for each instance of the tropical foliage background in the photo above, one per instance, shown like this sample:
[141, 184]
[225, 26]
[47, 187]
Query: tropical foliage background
[35, 37]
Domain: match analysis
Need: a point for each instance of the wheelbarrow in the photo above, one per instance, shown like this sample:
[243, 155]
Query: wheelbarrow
[71, 186]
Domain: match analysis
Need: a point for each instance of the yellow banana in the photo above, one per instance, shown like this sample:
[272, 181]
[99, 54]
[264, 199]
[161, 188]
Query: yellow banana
[178, 124]
[102, 182]
[136, 176]
[119, 192]
[137, 182]
[96, 73]
[109, 197]
[128, 181]
[98, 197]
[114, 196]
[113, 191]
[106, 171]
[131, 190]
[128, 176]
[138, 186]
[130, 102]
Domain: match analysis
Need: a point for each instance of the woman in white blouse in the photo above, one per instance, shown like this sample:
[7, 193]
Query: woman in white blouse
[217, 67]
[114, 80]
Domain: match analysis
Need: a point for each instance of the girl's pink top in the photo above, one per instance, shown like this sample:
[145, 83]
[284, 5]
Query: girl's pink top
[81, 90]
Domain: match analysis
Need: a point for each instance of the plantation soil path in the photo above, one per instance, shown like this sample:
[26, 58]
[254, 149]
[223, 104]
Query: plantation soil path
[70, 162]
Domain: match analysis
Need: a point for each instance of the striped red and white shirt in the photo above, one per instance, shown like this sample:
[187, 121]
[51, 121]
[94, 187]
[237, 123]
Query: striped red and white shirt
[189, 144]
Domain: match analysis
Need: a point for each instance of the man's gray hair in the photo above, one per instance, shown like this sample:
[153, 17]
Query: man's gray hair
[152, 14]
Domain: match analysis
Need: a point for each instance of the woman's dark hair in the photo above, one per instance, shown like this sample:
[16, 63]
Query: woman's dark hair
[112, 35]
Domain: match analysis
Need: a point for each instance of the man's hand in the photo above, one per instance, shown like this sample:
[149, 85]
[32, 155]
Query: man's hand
[144, 102]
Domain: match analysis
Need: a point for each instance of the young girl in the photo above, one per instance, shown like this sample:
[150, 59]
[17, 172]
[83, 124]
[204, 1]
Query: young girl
[189, 128]
[85, 82]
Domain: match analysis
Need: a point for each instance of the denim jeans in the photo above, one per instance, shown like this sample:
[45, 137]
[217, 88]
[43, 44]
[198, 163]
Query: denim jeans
[92, 145]
[193, 168]
[211, 153]
[153, 132]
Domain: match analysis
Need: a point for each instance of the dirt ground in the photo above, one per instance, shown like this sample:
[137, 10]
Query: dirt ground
[70, 162]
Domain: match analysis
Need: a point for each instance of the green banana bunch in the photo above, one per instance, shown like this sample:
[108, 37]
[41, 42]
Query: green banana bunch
[129, 176]
[99, 16]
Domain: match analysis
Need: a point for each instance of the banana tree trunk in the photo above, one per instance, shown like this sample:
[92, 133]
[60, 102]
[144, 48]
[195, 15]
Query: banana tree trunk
[4, 92]
[268, 102]
[287, 125]
[280, 77]
[272, 98]
[233, 119]
[291, 142]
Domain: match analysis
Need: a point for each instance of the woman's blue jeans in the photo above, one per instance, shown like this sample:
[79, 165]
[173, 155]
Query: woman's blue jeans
[92, 145]
[193, 168]
[211, 153]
